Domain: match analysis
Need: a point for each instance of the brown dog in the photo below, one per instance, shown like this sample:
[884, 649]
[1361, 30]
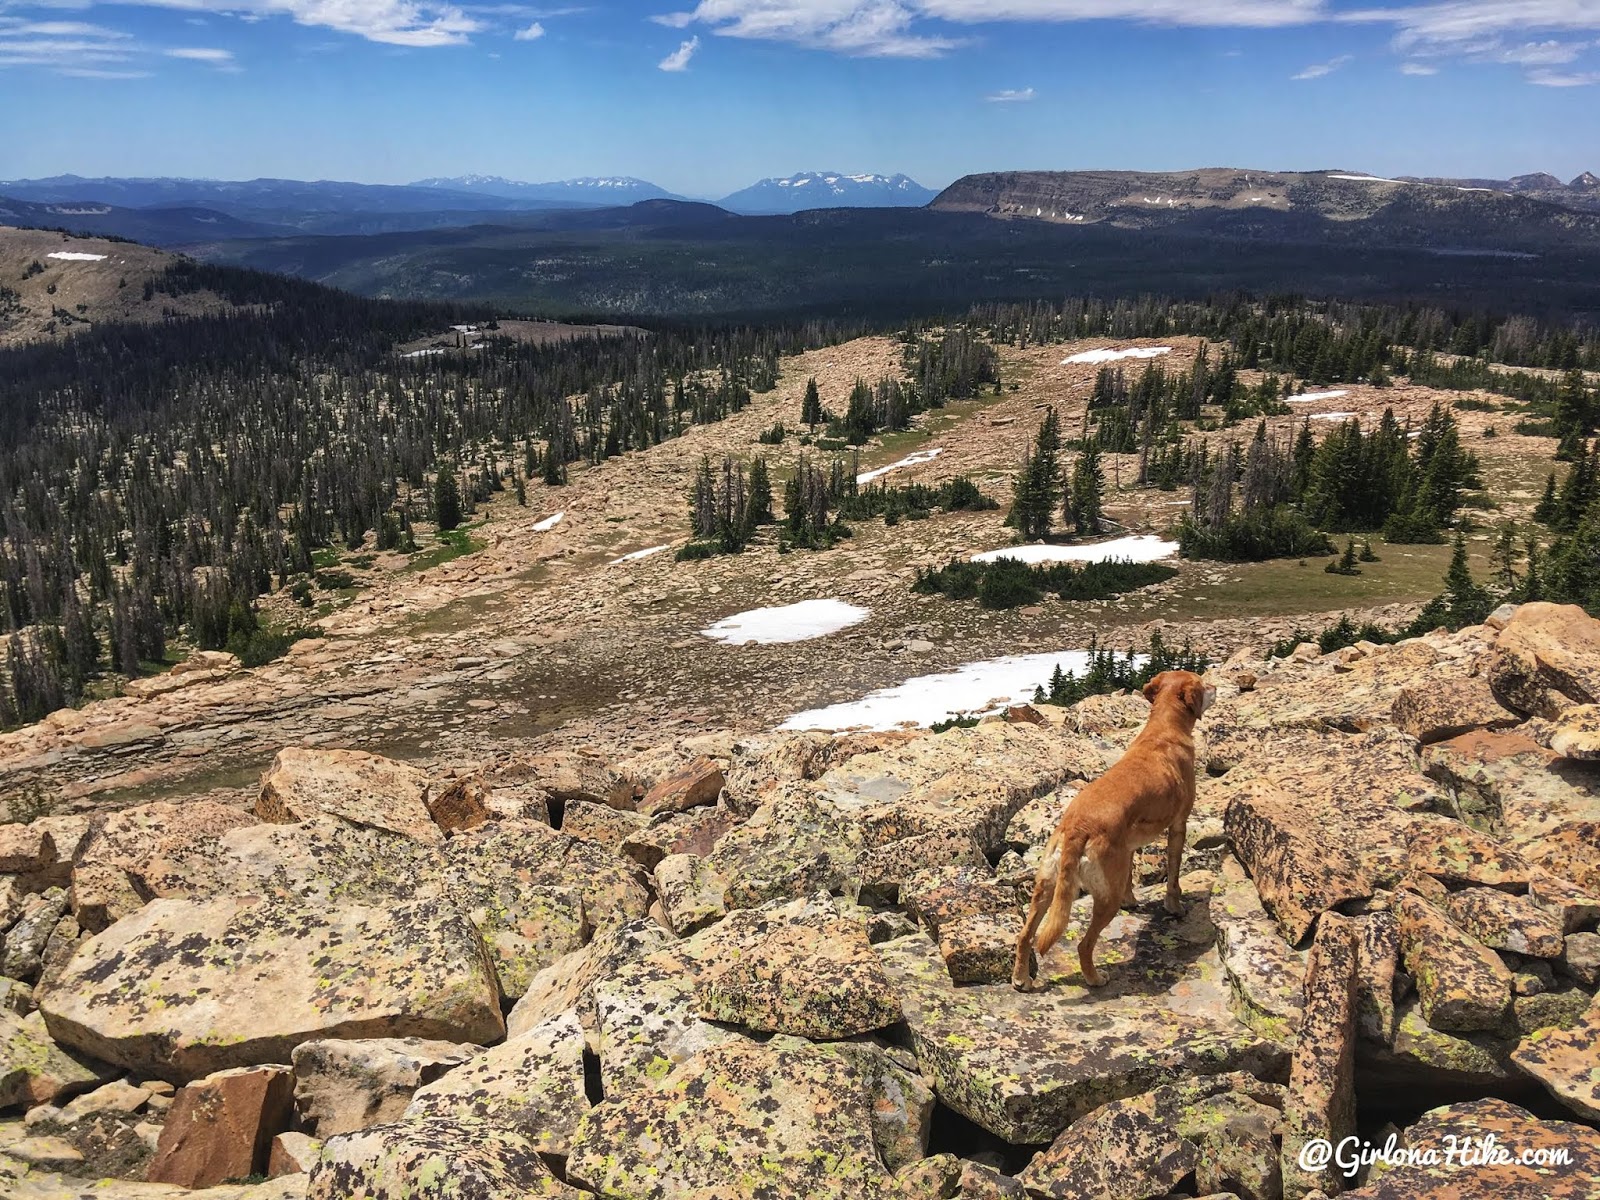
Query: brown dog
[1149, 791]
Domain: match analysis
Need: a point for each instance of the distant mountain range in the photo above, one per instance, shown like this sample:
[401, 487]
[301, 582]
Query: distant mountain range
[827, 189]
[1582, 192]
[603, 192]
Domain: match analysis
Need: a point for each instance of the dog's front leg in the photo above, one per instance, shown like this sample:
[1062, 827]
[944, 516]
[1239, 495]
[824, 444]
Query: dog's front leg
[1177, 834]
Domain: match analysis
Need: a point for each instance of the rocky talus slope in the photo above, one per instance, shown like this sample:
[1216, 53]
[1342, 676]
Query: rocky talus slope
[775, 966]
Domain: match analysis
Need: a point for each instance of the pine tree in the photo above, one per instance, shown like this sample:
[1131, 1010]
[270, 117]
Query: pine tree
[811, 406]
[1468, 604]
[1504, 557]
[703, 500]
[1086, 497]
[1545, 511]
[1037, 489]
[760, 493]
[446, 500]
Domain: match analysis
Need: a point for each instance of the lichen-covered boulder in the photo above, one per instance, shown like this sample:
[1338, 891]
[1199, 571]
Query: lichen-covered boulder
[1221, 1127]
[433, 1159]
[1433, 1171]
[364, 789]
[1024, 1066]
[601, 823]
[794, 845]
[183, 988]
[1514, 783]
[809, 972]
[1571, 852]
[1301, 857]
[693, 832]
[568, 983]
[1267, 975]
[690, 891]
[33, 1069]
[1462, 985]
[341, 1085]
[1458, 855]
[688, 786]
[1575, 734]
[764, 1122]
[1419, 1053]
[532, 1083]
[1321, 1100]
[885, 869]
[1567, 1062]
[322, 860]
[1547, 659]
[108, 865]
[536, 894]
[1502, 921]
[1434, 710]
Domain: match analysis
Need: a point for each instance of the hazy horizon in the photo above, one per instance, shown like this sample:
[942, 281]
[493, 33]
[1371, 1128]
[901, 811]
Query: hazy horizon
[706, 101]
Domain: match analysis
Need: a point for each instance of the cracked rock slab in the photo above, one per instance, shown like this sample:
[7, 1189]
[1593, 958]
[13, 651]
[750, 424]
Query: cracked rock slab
[184, 988]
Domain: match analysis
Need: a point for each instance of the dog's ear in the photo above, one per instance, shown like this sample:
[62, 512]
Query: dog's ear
[1194, 695]
[1153, 688]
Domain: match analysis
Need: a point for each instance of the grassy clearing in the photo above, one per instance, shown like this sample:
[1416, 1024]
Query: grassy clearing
[452, 544]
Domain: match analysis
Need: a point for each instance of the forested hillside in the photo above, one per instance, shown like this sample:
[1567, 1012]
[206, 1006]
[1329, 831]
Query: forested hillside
[157, 480]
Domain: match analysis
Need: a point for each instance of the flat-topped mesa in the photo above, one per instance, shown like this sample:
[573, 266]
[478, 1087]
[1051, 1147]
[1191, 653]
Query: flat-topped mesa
[1143, 198]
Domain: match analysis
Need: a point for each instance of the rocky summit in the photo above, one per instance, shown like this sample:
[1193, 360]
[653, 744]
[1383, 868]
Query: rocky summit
[777, 965]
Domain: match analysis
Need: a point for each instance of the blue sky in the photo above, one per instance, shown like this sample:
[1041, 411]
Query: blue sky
[706, 99]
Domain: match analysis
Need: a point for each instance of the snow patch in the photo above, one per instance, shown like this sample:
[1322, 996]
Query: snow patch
[1105, 356]
[910, 460]
[977, 688]
[637, 554]
[1141, 547]
[1311, 397]
[75, 256]
[787, 623]
[549, 522]
[1337, 416]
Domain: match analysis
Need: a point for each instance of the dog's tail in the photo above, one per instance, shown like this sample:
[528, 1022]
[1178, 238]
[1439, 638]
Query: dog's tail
[1068, 849]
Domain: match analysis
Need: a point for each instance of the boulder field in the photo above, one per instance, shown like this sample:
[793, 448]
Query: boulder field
[777, 966]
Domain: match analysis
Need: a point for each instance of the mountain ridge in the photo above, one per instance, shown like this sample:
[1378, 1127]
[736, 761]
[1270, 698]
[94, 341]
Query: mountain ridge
[834, 189]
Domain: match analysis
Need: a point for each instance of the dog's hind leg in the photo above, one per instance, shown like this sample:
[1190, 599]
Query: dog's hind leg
[1104, 877]
[1043, 888]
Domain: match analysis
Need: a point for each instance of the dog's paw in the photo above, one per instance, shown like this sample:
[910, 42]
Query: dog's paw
[1025, 983]
[1174, 905]
[1094, 978]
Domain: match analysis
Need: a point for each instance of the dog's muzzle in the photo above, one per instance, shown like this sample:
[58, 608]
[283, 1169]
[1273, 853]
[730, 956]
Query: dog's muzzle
[1208, 698]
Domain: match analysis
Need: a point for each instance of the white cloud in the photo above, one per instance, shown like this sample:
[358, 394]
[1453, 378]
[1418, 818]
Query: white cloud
[531, 34]
[1540, 54]
[394, 22]
[678, 60]
[1318, 70]
[1416, 68]
[75, 47]
[1560, 79]
[892, 28]
[98, 73]
[199, 54]
[1010, 96]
